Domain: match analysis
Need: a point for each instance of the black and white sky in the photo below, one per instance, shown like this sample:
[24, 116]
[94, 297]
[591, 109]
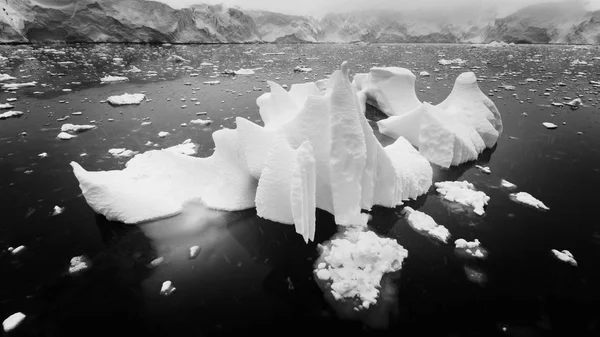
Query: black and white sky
[321, 7]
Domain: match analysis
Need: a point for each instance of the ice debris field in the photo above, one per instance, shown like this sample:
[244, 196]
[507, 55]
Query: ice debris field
[312, 148]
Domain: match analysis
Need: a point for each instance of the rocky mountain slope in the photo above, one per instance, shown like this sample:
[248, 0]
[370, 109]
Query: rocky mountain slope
[150, 21]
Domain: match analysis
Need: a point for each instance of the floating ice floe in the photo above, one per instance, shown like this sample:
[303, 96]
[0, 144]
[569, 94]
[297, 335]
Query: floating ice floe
[57, 210]
[575, 103]
[425, 224]
[483, 169]
[527, 199]
[126, 99]
[122, 153]
[72, 128]
[194, 251]
[507, 184]
[113, 79]
[212, 82]
[457, 61]
[549, 125]
[167, 288]
[17, 250]
[176, 59]
[354, 264]
[13, 321]
[65, 136]
[201, 121]
[241, 71]
[424, 74]
[565, 256]
[316, 150]
[10, 114]
[163, 134]
[6, 106]
[453, 132]
[14, 86]
[6, 77]
[134, 69]
[187, 148]
[43, 155]
[300, 69]
[464, 193]
[496, 44]
[78, 264]
[206, 64]
[472, 248]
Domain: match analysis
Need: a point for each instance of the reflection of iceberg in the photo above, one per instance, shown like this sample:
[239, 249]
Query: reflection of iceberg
[453, 132]
[316, 150]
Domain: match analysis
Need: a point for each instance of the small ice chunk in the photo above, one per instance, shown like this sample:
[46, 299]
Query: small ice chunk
[507, 184]
[126, 99]
[484, 169]
[6, 106]
[12, 99]
[113, 79]
[65, 136]
[122, 153]
[565, 256]
[527, 199]
[14, 86]
[301, 69]
[18, 250]
[78, 264]
[13, 321]
[194, 251]
[43, 155]
[212, 82]
[72, 128]
[9, 114]
[549, 125]
[423, 223]
[156, 262]
[424, 74]
[464, 193]
[575, 103]
[6, 77]
[167, 288]
[163, 134]
[57, 210]
[176, 59]
[473, 248]
[201, 121]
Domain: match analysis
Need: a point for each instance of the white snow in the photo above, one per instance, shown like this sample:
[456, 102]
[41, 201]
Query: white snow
[565, 256]
[464, 193]
[57, 210]
[316, 150]
[472, 248]
[527, 199]
[354, 264]
[187, 148]
[126, 99]
[13, 321]
[167, 288]
[78, 264]
[9, 114]
[122, 153]
[14, 86]
[549, 125]
[65, 136]
[423, 223]
[113, 79]
[72, 128]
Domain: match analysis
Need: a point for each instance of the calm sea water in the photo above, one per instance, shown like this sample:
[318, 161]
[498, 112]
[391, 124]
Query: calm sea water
[255, 276]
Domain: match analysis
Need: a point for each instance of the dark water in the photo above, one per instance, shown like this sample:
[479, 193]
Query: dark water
[255, 276]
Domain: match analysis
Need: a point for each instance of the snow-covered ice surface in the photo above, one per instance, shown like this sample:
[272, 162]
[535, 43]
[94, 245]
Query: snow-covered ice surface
[425, 224]
[354, 263]
[527, 199]
[565, 256]
[463, 192]
[307, 156]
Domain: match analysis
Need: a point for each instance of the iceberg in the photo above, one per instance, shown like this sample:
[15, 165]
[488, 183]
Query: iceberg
[316, 150]
[425, 224]
[527, 199]
[126, 99]
[79, 264]
[454, 132]
[354, 264]
[464, 193]
[13, 321]
[471, 248]
[72, 128]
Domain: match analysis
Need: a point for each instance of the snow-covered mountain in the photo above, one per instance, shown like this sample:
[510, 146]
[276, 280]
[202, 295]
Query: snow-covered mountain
[150, 21]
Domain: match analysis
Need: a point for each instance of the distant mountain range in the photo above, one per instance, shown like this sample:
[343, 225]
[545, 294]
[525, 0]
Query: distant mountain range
[150, 21]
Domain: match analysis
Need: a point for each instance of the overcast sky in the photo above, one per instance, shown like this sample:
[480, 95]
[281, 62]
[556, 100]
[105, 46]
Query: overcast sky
[320, 7]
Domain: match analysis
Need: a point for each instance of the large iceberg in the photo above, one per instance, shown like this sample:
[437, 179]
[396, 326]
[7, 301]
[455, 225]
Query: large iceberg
[316, 150]
[451, 133]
